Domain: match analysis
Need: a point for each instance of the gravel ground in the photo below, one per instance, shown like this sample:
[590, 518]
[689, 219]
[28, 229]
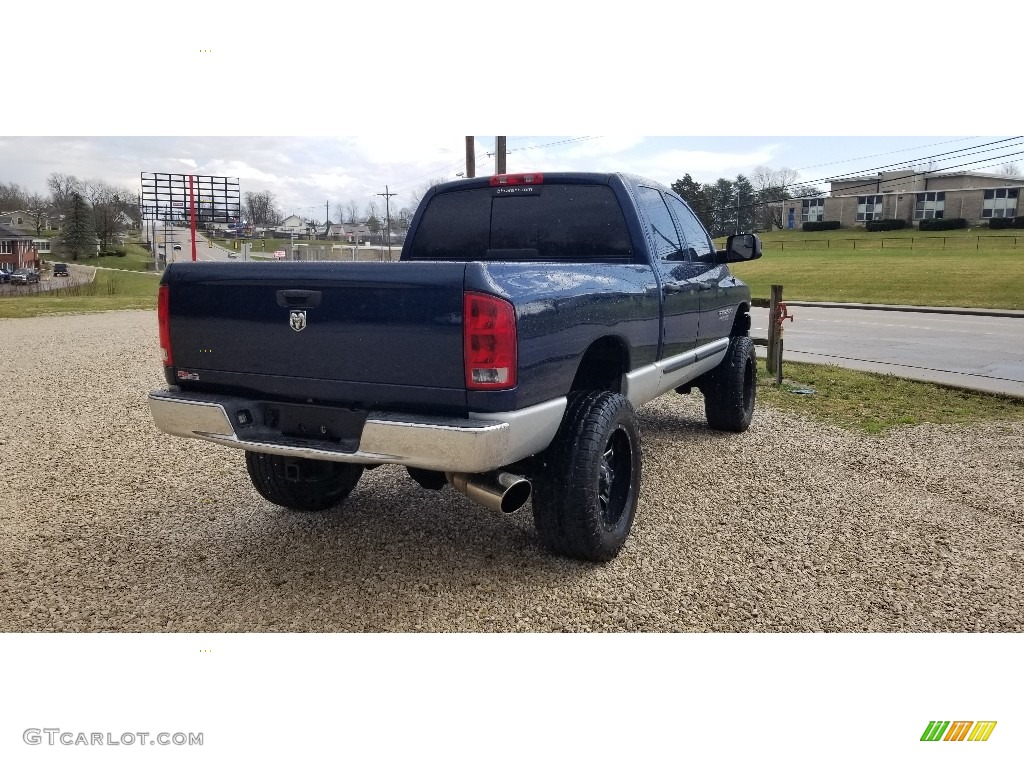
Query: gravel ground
[108, 525]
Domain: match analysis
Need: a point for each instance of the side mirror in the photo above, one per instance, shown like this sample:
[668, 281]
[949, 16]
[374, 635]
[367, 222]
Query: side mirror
[744, 247]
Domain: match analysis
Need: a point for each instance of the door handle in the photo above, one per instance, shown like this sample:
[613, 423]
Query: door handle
[298, 298]
[673, 288]
[701, 286]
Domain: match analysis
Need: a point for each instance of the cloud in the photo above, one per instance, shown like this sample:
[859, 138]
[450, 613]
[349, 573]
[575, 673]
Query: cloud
[704, 166]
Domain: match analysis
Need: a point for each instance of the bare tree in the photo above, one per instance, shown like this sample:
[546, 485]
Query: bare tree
[261, 208]
[404, 218]
[62, 186]
[38, 207]
[804, 190]
[418, 193]
[351, 212]
[371, 209]
[771, 187]
[112, 209]
[12, 197]
[1010, 169]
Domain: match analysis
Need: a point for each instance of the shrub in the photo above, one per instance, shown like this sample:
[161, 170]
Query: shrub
[820, 226]
[937, 225]
[120, 252]
[1014, 223]
[885, 225]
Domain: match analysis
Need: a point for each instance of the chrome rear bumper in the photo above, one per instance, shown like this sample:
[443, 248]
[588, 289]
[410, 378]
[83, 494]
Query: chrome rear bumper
[480, 443]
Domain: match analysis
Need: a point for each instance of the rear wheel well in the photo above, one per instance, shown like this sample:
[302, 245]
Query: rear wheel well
[741, 323]
[602, 366]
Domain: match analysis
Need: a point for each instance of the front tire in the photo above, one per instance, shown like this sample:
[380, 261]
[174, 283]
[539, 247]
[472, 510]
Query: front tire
[729, 390]
[306, 485]
[587, 482]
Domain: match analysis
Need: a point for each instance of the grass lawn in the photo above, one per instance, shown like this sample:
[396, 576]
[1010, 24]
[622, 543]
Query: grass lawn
[953, 269]
[874, 403]
[137, 259]
[110, 290]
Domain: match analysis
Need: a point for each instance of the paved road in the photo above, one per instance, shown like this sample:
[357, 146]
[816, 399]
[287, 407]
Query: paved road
[983, 353]
[183, 237]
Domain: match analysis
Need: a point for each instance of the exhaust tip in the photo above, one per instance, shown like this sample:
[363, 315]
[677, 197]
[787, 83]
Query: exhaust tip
[516, 495]
[500, 491]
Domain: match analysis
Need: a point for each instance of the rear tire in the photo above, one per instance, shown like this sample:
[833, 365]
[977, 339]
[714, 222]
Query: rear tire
[588, 481]
[729, 390]
[306, 485]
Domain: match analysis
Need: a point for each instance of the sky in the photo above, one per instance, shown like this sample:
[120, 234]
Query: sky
[308, 173]
[355, 101]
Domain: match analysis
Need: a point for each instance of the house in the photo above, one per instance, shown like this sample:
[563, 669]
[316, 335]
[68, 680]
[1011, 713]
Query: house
[27, 220]
[349, 233]
[17, 250]
[293, 225]
[911, 196]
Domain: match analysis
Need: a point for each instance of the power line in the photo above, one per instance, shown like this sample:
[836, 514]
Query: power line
[882, 154]
[962, 152]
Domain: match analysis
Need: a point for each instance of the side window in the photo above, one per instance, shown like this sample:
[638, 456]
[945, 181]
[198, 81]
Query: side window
[698, 245]
[663, 231]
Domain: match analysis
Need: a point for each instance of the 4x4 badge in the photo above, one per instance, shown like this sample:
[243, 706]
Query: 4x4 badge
[298, 320]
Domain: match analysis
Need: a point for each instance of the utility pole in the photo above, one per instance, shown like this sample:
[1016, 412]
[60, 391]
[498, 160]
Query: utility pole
[387, 195]
[470, 157]
[499, 154]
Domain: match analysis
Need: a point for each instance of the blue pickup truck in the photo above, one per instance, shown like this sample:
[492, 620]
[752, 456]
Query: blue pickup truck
[504, 354]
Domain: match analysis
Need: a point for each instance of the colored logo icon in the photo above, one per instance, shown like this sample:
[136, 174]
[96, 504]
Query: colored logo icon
[958, 730]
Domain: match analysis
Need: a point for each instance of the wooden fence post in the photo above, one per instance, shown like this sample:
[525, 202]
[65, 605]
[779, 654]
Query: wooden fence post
[772, 360]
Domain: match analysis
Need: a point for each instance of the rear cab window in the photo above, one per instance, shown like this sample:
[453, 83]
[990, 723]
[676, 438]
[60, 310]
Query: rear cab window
[542, 222]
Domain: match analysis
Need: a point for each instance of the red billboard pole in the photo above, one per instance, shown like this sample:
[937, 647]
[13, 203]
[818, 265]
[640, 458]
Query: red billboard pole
[192, 206]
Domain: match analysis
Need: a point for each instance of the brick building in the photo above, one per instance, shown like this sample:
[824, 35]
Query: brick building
[17, 250]
[912, 196]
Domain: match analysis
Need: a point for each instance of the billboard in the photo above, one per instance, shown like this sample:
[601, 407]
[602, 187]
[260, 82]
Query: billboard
[166, 197]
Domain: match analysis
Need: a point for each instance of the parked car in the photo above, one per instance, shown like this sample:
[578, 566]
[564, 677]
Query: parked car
[5, 276]
[60, 270]
[24, 277]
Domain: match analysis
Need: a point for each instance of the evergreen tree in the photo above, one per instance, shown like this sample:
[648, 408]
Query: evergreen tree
[78, 236]
[696, 194]
[746, 204]
[722, 200]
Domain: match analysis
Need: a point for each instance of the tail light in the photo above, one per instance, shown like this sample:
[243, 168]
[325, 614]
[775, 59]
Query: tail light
[489, 342]
[514, 179]
[163, 316]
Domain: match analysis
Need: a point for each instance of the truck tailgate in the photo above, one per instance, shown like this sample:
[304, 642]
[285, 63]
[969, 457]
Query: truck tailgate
[365, 332]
